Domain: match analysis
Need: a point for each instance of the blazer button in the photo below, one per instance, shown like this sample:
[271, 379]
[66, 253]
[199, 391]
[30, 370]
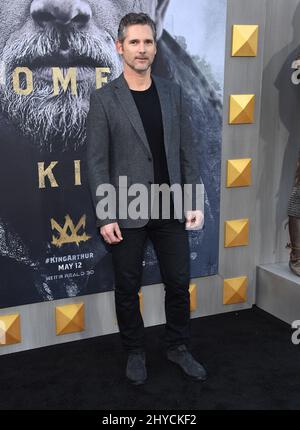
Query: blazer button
[149, 159]
[150, 182]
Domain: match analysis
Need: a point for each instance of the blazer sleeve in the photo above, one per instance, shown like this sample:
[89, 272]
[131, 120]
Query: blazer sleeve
[190, 170]
[98, 160]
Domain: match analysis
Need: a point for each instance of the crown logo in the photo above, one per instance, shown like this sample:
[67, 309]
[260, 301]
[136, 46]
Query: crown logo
[69, 232]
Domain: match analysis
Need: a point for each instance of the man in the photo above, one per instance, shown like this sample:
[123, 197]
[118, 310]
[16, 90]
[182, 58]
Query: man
[138, 127]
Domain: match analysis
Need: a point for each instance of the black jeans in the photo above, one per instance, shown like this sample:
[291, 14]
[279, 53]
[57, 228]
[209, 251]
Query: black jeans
[170, 240]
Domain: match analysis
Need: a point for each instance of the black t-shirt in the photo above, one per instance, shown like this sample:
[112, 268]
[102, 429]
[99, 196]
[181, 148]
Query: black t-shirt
[149, 108]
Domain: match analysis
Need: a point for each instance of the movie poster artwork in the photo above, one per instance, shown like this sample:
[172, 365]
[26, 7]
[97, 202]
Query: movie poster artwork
[53, 54]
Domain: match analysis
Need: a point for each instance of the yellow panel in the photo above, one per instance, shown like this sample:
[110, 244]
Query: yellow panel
[10, 331]
[193, 297]
[236, 232]
[239, 172]
[241, 108]
[244, 40]
[235, 290]
[69, 318]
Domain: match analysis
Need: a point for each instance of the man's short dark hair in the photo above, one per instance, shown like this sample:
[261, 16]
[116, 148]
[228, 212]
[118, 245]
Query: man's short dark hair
[134, 19]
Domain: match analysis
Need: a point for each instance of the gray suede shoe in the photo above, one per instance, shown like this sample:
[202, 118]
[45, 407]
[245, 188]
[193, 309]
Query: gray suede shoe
[136, 370]
[181, 356]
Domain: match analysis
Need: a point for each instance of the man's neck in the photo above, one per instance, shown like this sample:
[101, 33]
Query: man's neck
[138, 81]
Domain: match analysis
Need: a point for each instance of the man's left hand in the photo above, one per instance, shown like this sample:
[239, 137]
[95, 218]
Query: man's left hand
[194, 220]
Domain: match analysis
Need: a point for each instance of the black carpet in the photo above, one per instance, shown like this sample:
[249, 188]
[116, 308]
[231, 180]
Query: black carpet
[249, 356]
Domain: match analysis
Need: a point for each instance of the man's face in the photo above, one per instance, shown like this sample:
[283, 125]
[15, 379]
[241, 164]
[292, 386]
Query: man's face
[41, 34]
[138, 49]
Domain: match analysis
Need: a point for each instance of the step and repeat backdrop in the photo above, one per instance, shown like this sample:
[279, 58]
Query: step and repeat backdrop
[50, 247]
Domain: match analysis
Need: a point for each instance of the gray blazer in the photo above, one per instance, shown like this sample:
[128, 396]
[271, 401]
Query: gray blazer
[117, 144]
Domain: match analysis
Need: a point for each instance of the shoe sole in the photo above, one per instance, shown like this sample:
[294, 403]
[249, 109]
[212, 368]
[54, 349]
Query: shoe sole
[137, 383]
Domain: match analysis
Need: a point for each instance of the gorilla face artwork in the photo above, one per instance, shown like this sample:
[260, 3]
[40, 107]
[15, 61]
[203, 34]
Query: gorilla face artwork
[44, 41]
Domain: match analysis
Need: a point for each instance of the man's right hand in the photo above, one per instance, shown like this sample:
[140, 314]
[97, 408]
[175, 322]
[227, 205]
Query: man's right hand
[111, 233]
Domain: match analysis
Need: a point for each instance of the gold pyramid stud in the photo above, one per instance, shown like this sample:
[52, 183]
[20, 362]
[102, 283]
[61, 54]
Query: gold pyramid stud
[241, 108]
[235, 290]
[236, 232]
[10, 331]
[244, 40]
[193, 297]
[69, 318]
[239, 173]
[141, 301]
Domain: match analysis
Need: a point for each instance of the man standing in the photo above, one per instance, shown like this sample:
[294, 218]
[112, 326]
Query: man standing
[138, 128]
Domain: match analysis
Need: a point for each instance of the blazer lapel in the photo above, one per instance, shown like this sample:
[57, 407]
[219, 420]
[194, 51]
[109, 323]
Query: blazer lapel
[127, 102]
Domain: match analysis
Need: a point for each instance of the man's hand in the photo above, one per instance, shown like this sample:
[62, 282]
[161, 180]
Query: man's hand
[194, 220]
[111, 233]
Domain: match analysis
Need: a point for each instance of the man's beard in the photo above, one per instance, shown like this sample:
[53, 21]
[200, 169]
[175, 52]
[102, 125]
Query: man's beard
[55, 122]
[139, 69]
